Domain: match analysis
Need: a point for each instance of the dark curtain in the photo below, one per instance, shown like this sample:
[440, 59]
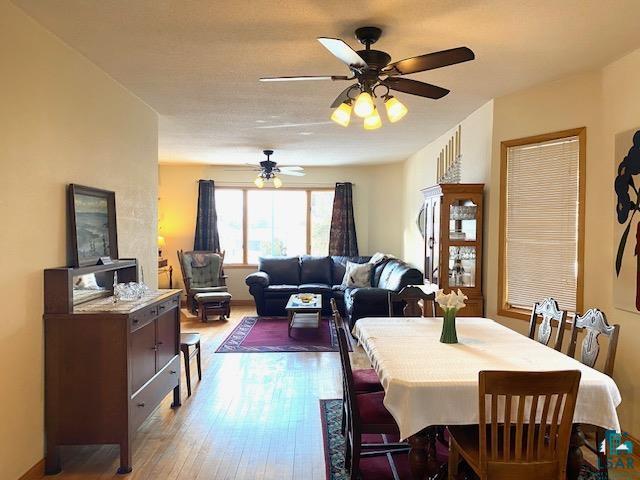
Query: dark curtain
[207, 220]
[342, 237]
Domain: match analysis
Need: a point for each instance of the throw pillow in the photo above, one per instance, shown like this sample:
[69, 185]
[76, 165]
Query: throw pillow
[357, 275]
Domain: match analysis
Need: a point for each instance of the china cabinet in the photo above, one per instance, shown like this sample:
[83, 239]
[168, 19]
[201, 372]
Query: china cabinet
[451, 224]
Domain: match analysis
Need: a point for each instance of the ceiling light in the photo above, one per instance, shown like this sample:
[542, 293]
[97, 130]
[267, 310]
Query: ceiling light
[373, 121]
[277, 182]
[364, 105]
[342, 114]
[395, 109]
[259, 182]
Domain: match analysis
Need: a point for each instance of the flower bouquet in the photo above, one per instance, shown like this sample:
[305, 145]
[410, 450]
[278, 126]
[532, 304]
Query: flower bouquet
[450, 304]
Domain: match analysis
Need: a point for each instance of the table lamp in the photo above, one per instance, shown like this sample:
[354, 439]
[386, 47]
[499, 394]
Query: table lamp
[161, 244]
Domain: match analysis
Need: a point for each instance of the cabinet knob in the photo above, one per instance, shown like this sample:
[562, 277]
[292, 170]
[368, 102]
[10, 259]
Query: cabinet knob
[162, 307]
[141, 404]
[172, 372]
[135, 320]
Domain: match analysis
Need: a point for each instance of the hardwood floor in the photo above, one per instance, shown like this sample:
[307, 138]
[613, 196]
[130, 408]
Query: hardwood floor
[253, 416]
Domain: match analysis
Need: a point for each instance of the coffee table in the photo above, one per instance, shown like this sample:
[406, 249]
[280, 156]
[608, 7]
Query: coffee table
[303, 314]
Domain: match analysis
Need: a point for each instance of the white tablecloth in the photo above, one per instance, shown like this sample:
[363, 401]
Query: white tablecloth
[430, 383]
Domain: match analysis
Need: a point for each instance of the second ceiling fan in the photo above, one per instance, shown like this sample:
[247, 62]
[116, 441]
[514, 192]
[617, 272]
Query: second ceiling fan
[372, 72]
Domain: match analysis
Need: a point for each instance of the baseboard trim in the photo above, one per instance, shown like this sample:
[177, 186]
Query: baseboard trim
[35, 472]
[242, 303]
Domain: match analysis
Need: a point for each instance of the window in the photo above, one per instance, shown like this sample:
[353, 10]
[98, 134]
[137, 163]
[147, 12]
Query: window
[541, 222]
[268, 222]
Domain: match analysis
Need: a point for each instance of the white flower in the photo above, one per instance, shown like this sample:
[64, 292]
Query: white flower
[451, 300]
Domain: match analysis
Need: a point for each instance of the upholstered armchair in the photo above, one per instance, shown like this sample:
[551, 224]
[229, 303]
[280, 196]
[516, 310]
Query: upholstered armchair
[202, 273]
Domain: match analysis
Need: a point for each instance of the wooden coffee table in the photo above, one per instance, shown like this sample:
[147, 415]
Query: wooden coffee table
[303, 314]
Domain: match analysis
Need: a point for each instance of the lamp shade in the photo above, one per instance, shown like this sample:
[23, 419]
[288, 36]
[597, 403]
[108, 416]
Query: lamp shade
[395, 109]
[364, 105]
[259, 182]
[342, 115]
[161, 241]
[277, 182]
[373, 121]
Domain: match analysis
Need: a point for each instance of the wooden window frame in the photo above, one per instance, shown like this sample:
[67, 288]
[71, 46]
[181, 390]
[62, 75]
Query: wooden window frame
[504, 309]
[245, 223]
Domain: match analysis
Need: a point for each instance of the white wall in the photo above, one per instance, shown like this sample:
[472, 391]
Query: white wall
[420, 172]
[62, 120]
[376, 195]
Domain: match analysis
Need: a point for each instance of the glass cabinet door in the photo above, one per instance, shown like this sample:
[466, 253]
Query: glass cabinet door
[463, 220]
[462, 266]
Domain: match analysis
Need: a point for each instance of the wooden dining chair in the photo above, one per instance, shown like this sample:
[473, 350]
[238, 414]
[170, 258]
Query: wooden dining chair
[365, 380]
[365, 414]
[508, 443]
[551, 317]
[593, 324]
[411, 296]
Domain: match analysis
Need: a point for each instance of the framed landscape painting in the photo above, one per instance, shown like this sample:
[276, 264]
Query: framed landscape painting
[626, 284]
[92, 214]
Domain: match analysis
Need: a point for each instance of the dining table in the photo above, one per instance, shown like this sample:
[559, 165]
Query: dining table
[429, 384]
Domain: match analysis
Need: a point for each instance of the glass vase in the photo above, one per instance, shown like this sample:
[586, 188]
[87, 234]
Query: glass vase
[449, 327]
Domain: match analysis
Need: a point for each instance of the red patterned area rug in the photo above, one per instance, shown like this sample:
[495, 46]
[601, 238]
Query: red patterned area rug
[269, 334]
[389, 467]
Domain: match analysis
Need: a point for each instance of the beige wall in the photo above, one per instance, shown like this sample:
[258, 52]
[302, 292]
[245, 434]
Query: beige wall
[377, 201]
[420, 172]
[62, 120]
[606, 102]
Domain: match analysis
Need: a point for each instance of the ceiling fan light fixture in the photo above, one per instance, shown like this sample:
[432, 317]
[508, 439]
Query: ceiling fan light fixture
[342, 114]
[396, 110]
[364, 106]
[373, 121]
[277, 182]
[259, 182]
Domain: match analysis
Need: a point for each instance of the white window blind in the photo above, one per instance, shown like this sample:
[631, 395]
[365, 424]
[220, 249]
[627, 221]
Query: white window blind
[542, 223]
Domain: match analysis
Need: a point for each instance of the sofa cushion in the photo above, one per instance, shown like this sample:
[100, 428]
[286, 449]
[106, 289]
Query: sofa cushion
[357, 275]
[315, 288]
[282, 289]
[315, 270]
[396, 274]
[281, 270]
[339, 288]
[340, 265]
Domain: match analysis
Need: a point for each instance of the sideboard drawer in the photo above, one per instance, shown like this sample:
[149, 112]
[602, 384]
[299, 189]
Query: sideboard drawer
[148, 398]
[140, 318]
[168, 305]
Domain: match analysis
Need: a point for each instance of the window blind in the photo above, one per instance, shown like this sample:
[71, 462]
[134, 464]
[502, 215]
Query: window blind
[541, 250]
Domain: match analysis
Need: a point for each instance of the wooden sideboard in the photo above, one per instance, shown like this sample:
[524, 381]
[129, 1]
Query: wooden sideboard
[107, 365]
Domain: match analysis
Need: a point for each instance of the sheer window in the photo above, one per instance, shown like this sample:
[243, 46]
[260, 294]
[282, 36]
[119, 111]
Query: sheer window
[321, 209]
[541, 220]
[229, 207]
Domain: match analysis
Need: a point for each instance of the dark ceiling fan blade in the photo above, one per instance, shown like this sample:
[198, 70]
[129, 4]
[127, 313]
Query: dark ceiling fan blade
[305, 77]
[343, 97]
[430, 61]
[344, 52]
[415, 87]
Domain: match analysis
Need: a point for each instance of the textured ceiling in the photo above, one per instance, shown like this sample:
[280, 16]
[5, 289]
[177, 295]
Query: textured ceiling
[197, 63]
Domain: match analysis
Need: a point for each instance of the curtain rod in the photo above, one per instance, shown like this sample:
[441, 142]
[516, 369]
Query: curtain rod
[299, 185]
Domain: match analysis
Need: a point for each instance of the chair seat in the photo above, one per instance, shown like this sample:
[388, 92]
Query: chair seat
[189, 338]
[372, 411]
[366, 381]
[197, 290]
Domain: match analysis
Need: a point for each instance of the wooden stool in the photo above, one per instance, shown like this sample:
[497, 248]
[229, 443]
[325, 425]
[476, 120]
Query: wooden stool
[187, 340]
[218, 303]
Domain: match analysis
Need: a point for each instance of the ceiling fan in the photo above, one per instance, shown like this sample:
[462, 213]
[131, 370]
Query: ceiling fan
[372, 71]
[269, 170]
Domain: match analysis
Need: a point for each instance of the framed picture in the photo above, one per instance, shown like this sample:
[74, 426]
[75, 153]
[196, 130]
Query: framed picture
[92, 214]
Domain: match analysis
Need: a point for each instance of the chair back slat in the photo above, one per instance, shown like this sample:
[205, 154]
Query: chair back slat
[593, 324]
[411, 297]
[517, 439]
[551, 317]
